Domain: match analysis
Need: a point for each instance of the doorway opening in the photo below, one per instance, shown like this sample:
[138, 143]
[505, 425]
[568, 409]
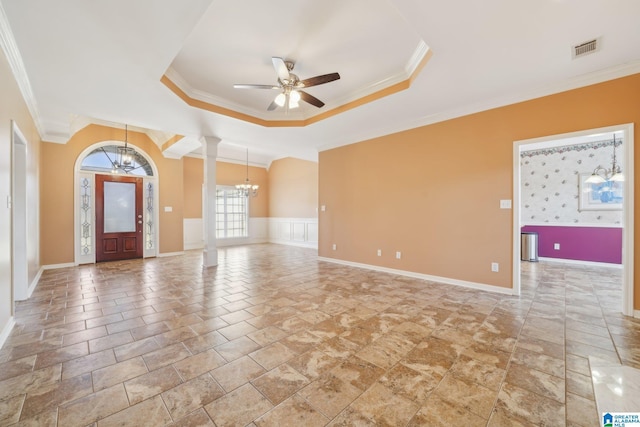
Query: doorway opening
[19, 229]
[94, 162]
[627, 133]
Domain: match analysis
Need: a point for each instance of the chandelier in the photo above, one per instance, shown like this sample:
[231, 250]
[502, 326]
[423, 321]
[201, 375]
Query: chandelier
[246, 189]
[125, 156]
[601, 175]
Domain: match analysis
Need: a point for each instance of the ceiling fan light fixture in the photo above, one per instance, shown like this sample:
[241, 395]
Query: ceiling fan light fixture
[280, 100]
[294, 97]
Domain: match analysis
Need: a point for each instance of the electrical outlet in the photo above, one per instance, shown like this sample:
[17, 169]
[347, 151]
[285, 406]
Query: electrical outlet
[556, 246]
[398, 255]
[495, 267]
[334, 247]
[379, 252]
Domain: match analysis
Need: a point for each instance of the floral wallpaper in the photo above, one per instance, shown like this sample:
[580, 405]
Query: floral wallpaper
[550, 183]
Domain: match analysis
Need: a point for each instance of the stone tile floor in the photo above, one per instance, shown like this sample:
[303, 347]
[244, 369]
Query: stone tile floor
[274, 337]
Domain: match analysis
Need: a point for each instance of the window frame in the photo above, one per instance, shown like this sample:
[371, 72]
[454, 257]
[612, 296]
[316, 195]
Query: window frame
[231, 193]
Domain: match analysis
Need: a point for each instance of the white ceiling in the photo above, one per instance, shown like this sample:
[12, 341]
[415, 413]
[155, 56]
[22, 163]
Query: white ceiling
[103, 60]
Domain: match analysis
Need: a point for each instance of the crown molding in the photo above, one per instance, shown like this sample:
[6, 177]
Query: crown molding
[418, 58]
[576, 82]
[11, 51]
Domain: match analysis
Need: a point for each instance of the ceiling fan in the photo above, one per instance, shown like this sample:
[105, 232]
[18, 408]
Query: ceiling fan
[291, 86]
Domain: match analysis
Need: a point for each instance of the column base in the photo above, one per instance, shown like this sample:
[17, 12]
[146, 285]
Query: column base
[209, 258]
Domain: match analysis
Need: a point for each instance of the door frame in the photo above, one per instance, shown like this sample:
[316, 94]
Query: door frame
[78, 174]
[19, 228]
[628, 210]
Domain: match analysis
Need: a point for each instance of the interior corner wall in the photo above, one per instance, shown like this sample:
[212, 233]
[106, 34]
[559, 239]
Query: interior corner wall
[13, 107]
[192, 187]
[433, 192]
[293, 188]
[232, 174]
[57, 192]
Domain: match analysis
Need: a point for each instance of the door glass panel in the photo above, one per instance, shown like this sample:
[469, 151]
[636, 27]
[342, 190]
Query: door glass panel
[119, 207]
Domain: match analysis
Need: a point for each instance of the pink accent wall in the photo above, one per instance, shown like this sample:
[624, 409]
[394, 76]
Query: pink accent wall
[596, 244]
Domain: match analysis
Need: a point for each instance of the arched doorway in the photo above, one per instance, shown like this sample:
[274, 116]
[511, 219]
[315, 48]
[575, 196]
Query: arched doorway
[100, 160]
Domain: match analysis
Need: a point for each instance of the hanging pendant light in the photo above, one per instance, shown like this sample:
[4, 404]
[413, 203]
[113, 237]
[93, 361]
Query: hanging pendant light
[247, 189]
[125, 156]
[601, 175]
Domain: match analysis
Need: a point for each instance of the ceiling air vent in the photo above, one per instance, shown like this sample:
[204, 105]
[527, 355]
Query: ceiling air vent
[585, 48]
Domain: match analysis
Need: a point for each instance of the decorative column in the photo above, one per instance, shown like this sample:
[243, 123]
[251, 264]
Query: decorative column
[210, 148]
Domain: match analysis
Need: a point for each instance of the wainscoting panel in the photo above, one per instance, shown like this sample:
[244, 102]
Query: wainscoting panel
[286, 231]
[193, 233]
[294, 231]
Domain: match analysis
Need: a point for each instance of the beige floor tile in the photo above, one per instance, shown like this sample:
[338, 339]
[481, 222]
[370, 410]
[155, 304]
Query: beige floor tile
[150, 412]
[293, 412]
[197, 418]
[151, 384]
[523, 407]
[280, 383]
[198, 364]
[191, 395]
[341, 345]
[237, 373]
[440, 413]
[239, 407]
[330, 394]
[93, 407]
[118, 373]
[272, 355]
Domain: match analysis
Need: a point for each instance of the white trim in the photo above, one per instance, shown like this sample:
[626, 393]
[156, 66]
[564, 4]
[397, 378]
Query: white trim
[34, 283]
[57, 266]
[11, 51]
[168, 254]
[419, 53]
[445, 280]
[581, 262]
[596, 77]
[301, 232]
[6, 331]
[636, 314]
[571, 224]
[628, 224]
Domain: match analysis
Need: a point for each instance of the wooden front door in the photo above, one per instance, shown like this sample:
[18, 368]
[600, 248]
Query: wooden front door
[119, 221]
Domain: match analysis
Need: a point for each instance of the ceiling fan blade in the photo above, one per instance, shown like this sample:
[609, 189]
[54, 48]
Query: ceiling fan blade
[318, 80]
[249, 86]
[281, 68]
[311, 99]
[272, 106]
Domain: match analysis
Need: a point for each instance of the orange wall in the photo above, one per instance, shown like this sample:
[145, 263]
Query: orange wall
[293, 188]
[226, 174]
[433, 192]
[13, 107]
[56, 197]
[232, 174]
[192, 187]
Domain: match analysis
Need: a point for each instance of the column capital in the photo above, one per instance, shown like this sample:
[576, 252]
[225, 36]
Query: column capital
[210, 145]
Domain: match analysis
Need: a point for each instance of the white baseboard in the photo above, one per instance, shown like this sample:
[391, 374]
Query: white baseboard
[56, 266]
[445, 280]
[34, 283]
[580, 262]
[7, 330]
[310, 245]
[636, 314]
[167, 254]
[193, 245]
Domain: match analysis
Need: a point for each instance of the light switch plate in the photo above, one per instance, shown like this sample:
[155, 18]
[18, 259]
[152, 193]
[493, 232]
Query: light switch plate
[505, 204]
[168, 208]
